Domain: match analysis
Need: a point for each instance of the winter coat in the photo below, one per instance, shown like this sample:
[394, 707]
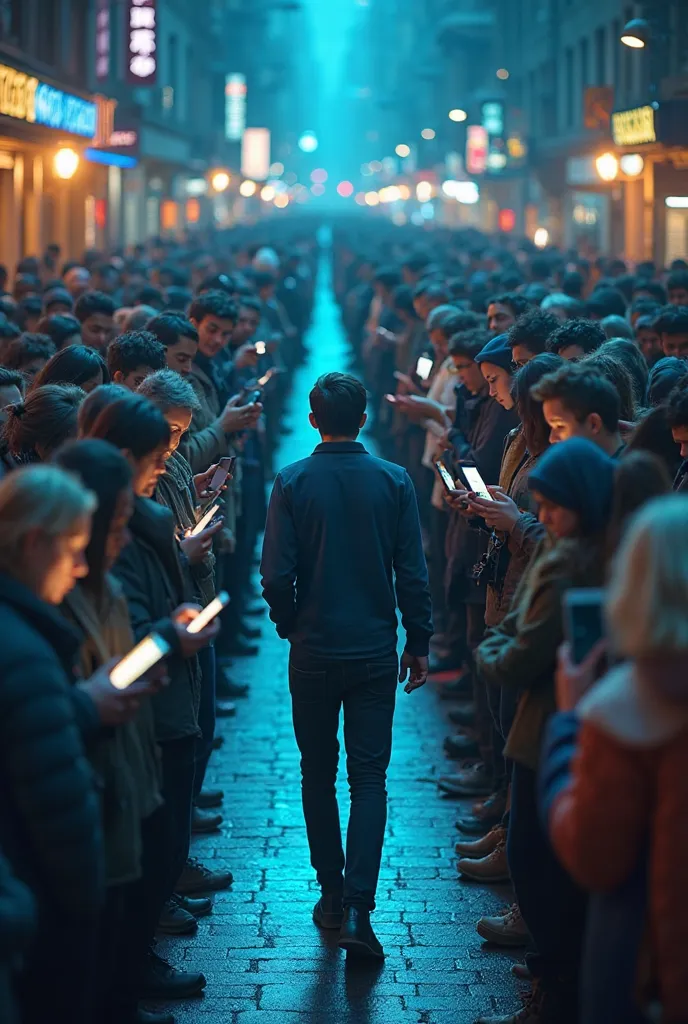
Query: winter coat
[50, 827]
[125, 758]
[151, 577]
[17, 924]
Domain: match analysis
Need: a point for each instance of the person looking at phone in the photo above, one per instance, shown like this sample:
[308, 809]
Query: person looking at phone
[50, 827]
[342, 548]
[158, 596]
[179, 338]
[529, 335]
[125, 757]
[578, 402]
[582, 495]
[214, 316]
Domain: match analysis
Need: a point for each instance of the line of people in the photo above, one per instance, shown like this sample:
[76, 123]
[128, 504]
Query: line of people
[540, 405]
[139, 395]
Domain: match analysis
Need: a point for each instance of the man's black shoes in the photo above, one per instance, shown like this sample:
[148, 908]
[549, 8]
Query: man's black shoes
[356, 935]
[328, 911]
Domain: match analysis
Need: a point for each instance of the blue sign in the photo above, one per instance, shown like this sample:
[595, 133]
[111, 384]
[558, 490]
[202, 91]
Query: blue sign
[57, 109]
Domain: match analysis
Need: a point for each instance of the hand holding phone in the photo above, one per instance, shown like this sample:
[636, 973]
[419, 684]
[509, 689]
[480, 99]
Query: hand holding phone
[424, 367]
[204, 521]
[445, 476]
[475, 482]
[261, 348]
[209, 613]
[192, 643]
[139, 660]
[196, 548]
[225, 467]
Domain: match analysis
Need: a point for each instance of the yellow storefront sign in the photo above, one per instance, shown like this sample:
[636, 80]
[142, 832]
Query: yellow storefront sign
[17, 94]
[634, 127]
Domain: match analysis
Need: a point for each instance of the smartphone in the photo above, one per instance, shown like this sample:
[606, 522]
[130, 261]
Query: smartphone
[583, 620]
[475, 482]
[225, 467]
[253, 397]
[261, 348]
[208, 613]
[391, 398]
[447, 478]
[424, 367]
[262, 381]
[139, 660]
[205, 520]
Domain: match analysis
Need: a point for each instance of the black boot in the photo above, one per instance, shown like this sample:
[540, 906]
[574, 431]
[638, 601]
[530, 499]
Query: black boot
[357, 936]
[328, 911]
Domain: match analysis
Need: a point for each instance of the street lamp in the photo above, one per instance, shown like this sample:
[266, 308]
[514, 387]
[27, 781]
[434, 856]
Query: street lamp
[65, 163]
[458, 115]
[403, 150]
[220, 181]
[607, 166]
[636, 34]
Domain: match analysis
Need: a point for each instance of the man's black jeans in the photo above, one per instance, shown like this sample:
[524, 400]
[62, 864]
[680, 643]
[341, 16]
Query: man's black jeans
[367, 691]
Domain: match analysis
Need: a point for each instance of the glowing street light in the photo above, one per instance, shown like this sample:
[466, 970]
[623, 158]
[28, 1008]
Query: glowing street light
[281, 201]
[541, 238]
[607, 166]
[220, 181]
[636, 34]
[345, 189]
[457, 114]
[248, 188]
[308, 143]
[632, 164]
[372, 198]
[428, 133]
[267, 193]
[424, 191]
[65, 163]
[403, 150]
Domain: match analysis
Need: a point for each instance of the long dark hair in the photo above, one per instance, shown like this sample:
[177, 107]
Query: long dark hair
[535, 427]
[38, 426]
[105, 472]
[75, 364]
[132, 424]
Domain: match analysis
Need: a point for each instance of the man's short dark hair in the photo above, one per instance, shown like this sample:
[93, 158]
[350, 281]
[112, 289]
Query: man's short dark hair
[134, 349]
[215, 303]
[582, 391]
[249, 302]
[672, 320]
[447, 319]
[168, 328]
[26, 347]
[586, 334]
[149, 295]
[518, 304]
[654, 288]
[677, 279]
[644, 307]
[677, 405]
[338, 402]
[402, 299]
[573, 283]
[606, 302]
[93, 302]
[532, 330]
[469, 343]
[416, 262]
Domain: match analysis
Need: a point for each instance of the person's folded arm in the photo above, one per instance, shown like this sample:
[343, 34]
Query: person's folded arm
[411, 573]
[279, 561]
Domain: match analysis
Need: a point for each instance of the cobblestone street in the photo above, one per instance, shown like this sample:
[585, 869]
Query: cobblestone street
[265, 961]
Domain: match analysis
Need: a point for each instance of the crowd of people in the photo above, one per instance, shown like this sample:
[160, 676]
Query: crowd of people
[141, 402]
[539, 402]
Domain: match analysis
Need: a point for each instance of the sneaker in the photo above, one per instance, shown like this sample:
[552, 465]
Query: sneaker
[163, 981]
[507, 930]
[491, 868]
[473, 781]
[481, 847]
[196, 877]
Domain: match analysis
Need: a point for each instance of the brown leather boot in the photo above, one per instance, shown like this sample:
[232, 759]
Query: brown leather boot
[491, 868]
[481, 847]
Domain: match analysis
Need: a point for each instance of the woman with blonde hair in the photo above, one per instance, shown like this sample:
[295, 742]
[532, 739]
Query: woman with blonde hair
[618, 822]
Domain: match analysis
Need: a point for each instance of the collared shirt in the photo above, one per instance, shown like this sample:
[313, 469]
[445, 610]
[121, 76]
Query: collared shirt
[342, 548]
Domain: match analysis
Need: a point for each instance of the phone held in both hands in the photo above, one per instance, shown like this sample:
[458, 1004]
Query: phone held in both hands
[139, 660]
[445, 476]
[224, 468]
[210, 611]
[205, 520]
[475, 481]
[424, 367]
[583, 609]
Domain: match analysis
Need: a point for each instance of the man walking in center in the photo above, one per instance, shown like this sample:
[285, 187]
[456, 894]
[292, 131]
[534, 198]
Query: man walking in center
[342, 549]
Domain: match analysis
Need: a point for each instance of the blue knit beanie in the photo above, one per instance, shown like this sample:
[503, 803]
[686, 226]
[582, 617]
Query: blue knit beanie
[497, 351]
[578, 475]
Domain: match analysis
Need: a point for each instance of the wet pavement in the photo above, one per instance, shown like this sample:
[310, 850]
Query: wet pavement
[265, 961]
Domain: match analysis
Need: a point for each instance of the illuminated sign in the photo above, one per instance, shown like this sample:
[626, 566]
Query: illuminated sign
[102, 39]
[477, 142]
[634, 127]
[235, 107]
[27, 99]
[142, 42]
[255, 154]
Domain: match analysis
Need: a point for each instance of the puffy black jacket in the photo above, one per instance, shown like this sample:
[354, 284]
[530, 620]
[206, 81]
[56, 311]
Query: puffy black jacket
[17, 925]
[49, 813]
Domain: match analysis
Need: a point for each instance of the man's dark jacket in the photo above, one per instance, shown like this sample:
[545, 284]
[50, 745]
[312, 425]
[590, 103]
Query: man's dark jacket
[342, 548]
[150, 572]
[50, 827]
